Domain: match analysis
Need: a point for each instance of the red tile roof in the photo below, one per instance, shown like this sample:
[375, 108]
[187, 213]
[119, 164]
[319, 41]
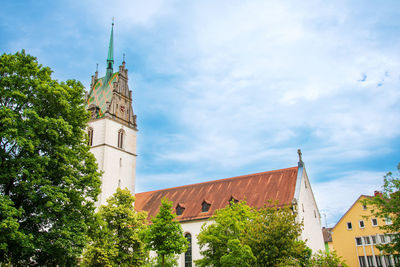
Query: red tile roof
[256, 189]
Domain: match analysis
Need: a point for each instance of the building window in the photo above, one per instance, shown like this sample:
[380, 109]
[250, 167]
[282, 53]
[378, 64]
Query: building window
[382, 237]
[367, 241]
[374, 222]
[120, 139]
[388, 220]
[188, 253]
[396, 259]
[378, 261]
[388, 260]
[349, 226]
[205, 206]
[358, 241]
[362, 261]
[361, 223]
[370, 261]
[373, 239]
[90, 137]
[179, 210]
[364, 207]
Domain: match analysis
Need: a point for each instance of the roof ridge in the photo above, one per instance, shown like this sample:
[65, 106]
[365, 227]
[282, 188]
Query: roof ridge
[217, 180]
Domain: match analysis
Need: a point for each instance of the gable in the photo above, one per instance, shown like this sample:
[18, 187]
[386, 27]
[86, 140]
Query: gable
[257, 189]
[353, 210]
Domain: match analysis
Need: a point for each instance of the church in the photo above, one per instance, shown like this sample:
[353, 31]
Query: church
[112, 134]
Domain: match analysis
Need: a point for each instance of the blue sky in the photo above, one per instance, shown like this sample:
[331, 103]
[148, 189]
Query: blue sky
[226, 88]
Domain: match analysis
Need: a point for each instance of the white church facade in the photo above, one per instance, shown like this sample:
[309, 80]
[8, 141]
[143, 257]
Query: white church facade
[112, 136]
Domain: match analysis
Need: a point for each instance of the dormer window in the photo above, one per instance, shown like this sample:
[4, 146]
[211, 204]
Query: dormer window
[233, 200]
[121, 138]
[205, 206]
[179, 210]
[90, 137]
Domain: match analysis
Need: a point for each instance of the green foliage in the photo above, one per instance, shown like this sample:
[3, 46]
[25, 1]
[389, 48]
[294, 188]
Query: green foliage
[117, 239]
[169, 261]
[239, 255]
[229, 225]
[242, 236]
[48, 178]
[325, 259]
[386, 206]
[273, 235]
[165, 234]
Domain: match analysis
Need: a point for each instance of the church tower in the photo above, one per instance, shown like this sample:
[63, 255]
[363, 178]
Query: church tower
[112, 128]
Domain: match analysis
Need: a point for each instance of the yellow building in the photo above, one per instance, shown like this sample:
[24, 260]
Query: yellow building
[355, 235]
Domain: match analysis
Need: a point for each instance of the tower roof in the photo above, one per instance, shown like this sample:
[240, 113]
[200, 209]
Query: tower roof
[101, 93]
[110, 56]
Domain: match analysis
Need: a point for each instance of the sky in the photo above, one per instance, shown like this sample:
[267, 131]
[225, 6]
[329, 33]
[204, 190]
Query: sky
[227, 88]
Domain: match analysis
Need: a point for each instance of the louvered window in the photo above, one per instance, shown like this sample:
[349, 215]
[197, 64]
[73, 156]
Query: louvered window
[120, 139]
[90, 136]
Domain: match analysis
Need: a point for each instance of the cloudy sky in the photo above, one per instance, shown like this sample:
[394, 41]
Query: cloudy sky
[226, 88]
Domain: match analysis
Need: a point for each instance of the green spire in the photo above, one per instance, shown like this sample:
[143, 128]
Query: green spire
[110, 57]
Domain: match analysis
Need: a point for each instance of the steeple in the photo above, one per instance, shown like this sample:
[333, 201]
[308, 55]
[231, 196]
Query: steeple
[110, 57]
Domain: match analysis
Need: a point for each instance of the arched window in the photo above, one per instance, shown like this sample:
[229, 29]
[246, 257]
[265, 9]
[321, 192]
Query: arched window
[121, 138]
[188, 253]
[90, 136]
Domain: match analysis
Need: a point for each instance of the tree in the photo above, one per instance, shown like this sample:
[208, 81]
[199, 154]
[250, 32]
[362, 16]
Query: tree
[48, 178]
[325, 259]
[387, 206]
[117, 241]
[157, 261]
[273, 235]
[221, 240]
[239, 235]
[165, 234]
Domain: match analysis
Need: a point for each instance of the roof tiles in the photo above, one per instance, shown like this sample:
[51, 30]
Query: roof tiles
[257, 189]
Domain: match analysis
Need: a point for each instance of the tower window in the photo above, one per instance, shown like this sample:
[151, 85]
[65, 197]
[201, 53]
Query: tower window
[120, 139]
[188, 253]
[90, 137]
[179, 210]
[205, 206]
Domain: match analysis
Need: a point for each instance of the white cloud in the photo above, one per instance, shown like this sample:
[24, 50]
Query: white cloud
[335, 197]
[263, 70]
